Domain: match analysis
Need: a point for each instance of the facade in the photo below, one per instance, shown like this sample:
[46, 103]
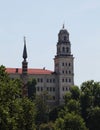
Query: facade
[56, 82]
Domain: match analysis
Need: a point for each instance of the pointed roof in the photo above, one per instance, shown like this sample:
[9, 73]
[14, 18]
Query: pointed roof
[63, 30]
[24, 50]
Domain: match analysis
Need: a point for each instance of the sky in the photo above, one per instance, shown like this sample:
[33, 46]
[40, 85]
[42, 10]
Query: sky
[40, 21]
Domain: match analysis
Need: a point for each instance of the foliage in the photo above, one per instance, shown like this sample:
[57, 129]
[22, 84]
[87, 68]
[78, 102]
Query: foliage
[31, 89]
[90, 97]
[74, 106]
[93, 118]
[54, 112]
[70, 121]
[42, 109]
[75, 92]
[47, 126]
[16, 112]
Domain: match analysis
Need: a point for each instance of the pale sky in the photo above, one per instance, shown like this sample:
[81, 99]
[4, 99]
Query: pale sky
[40, 21]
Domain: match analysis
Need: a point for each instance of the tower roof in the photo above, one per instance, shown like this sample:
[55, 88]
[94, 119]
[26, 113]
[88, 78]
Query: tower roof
[63, 30]
[24, 50]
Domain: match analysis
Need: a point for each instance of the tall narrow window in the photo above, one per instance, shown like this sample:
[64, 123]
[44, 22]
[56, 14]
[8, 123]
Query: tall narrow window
[62, 71]
[65, 38]
[67, 49]
[63, 49]
[69, 64]
[62, 64]
[62, 80]
[69, 80]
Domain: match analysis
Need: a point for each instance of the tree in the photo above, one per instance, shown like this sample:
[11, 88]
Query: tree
[47, 126]
[26, 120]
[90, 96]
[93, 118]
[67, 97]
[31, 89]
[16, 112]
[54, 112]
[70, 121]
[75, 92]
[42, 108]
[74, 106]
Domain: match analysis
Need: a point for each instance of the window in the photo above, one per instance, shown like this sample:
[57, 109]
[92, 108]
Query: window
[66, 71]
[53, 80]
[63, 49]
[47, 80]
[62, 80]
[41, 80]
[62, 64]
[69, 80]
[63, 88]
[65, 38]
[66, 64]
[66, 80]
[67, 49]
[69, 64]
[53, 89]
[50, 80]
[41, 89]
[67, 88]
[63, 71]
[69, 72]
[50, 89]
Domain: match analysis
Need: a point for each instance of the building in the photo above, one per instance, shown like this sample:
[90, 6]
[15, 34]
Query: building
[56, 82]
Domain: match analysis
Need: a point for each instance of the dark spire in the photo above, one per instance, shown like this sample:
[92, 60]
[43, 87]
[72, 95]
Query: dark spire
[63, 26]
[25, 50]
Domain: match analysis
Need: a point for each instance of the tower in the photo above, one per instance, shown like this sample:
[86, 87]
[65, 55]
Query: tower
[63, 62]
[24, 75]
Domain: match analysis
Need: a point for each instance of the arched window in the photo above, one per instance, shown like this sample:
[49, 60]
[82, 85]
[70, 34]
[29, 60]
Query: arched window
[65, 38]
[67, 49]
[63, 49]
[58, 49]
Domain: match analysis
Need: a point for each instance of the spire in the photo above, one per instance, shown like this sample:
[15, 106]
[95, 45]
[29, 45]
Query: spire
[25, 50]
[63, 26]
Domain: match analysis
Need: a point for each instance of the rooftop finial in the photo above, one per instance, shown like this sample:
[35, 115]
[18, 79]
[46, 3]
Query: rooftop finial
[25, 50]
[63, 26]
[24, 40]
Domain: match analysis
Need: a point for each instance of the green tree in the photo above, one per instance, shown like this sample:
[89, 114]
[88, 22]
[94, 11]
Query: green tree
[67, 97]
[70, 121]
[26, 120]
[31, 89]
[42, 108]
[90, 96]
[74, 106]
[93, 118]
[47, 126]
[16, 112]
[75, 92]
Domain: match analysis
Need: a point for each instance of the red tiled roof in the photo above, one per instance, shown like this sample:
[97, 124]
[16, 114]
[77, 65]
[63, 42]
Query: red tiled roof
[30, 71]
